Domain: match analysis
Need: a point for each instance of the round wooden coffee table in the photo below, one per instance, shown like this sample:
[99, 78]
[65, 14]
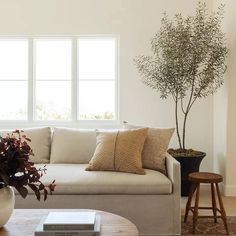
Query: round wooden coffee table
[24, 221]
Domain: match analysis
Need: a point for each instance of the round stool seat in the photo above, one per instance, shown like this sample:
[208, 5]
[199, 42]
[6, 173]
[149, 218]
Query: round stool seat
[205, 177]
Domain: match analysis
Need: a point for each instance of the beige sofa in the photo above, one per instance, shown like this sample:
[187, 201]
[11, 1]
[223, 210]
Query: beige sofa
[151, 201]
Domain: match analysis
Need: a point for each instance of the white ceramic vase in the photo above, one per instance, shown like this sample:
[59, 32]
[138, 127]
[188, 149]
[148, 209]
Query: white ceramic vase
[7, 203]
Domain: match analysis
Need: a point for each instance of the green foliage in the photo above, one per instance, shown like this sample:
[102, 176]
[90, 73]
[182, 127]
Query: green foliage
[108, 115]
[49, 113]
[189, 59]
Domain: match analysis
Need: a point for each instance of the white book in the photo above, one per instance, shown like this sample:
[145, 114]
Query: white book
[69, 221]
[39, 231]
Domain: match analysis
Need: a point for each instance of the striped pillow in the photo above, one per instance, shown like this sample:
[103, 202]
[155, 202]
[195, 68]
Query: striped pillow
[119, 151]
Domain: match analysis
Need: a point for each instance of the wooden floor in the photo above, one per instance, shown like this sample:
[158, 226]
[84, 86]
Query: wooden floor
[205, 200]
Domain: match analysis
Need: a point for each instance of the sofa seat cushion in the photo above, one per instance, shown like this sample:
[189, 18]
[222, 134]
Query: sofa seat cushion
[73, 179]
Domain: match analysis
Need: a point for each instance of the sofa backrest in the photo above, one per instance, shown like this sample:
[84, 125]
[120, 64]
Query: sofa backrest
[60, 145]
[72, 145]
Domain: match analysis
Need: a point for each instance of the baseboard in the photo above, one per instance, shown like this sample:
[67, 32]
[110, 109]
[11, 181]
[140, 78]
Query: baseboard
[230, 190]
[226, 190]
[207, 188]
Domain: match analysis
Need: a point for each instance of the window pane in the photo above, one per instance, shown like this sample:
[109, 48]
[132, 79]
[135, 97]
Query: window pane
[96, 58]
[53, 100]
[13, 59]
[53, 59]
[96, 100]
[13, 100]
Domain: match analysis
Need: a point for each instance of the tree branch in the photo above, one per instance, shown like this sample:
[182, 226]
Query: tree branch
[182, 105]
[187, 111]
[177, 122]
[195, 98]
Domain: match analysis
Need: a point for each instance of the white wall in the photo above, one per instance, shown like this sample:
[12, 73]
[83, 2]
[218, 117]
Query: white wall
[135, 21]
[225, 109]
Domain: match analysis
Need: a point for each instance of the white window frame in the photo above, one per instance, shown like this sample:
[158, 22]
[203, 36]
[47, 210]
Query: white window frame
[74, 122]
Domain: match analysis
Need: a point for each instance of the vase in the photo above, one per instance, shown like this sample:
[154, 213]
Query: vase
[7, 203]
[188, 165]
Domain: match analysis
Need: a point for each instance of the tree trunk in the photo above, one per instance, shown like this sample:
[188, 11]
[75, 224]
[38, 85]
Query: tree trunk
[184, 129]
[177, 123]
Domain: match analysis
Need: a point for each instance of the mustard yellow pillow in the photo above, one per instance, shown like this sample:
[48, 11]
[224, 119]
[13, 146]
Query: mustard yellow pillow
[119, 151]
[155, 147]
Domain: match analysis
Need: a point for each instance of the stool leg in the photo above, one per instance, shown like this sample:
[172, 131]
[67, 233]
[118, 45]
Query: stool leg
[213, 199]
[222, 209]
[195, 212]
[188, 205]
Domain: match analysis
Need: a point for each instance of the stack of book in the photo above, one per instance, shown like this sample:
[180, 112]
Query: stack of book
[69, 224]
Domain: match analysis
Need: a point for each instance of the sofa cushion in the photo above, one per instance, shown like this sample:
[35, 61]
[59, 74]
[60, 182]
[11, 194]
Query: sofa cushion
[72, 145]
[119, 151]
[73, 179]
[155, 147]
[40, 143]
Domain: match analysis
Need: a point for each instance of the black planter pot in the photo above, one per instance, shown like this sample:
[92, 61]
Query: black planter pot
[188, 165]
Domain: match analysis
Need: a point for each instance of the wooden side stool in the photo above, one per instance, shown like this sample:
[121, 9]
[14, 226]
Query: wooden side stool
[203, 177]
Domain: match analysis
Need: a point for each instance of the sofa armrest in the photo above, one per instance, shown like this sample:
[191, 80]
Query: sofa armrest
[173, 173]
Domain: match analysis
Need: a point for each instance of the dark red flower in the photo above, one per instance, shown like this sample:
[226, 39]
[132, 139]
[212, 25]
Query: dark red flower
[15, 168]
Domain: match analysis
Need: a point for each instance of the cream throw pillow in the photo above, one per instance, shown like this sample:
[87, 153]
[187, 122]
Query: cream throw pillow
[119, 151]
[155, 147]
[40, 142]
[73, 146]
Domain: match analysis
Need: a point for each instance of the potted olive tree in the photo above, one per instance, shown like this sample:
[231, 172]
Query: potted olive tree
[188, 63]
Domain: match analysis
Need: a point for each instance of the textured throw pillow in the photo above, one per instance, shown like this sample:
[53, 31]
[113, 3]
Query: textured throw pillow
[155, 147]
[72, 145]
[119, 151]
[40, 143]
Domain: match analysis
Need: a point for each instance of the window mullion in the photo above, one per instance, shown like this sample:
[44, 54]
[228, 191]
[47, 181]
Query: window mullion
[74, 80]
[117, 69]
[30, 79]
